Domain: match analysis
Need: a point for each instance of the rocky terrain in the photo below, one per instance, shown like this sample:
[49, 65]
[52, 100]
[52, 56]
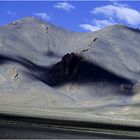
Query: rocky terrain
[48, 71]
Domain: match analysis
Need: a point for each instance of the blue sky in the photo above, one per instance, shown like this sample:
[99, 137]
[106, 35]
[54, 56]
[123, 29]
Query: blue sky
[74, 15]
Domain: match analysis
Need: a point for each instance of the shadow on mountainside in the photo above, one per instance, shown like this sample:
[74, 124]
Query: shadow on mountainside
[72, 68]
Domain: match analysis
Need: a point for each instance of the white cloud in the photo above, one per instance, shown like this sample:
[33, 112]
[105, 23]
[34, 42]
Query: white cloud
[120, 12]
[43, 15]
[64, 6]
[116, 13]
[102, 23]
[11, 13]
[96, 25]
[89, 27]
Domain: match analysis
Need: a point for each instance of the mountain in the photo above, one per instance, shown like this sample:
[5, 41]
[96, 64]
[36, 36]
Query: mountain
[44, 66]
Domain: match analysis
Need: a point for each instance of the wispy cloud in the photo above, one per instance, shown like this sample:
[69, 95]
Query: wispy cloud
[120, 12]
[89, 27]
[64, 6]
[43, 15]
[11, 13]
[114, 2]
[96, 25]
[113, 14]
[102, 23]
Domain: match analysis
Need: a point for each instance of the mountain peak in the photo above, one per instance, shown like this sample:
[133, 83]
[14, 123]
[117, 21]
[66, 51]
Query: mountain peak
[27, 20]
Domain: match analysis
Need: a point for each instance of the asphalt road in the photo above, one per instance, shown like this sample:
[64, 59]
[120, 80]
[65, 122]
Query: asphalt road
[12, 127]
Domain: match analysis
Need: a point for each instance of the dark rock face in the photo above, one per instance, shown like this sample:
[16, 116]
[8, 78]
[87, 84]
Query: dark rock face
[65, 69]
[73, 67]
[126, 89]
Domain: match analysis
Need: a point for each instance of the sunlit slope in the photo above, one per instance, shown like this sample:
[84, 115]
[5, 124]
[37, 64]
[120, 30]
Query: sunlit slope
[110, 58]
